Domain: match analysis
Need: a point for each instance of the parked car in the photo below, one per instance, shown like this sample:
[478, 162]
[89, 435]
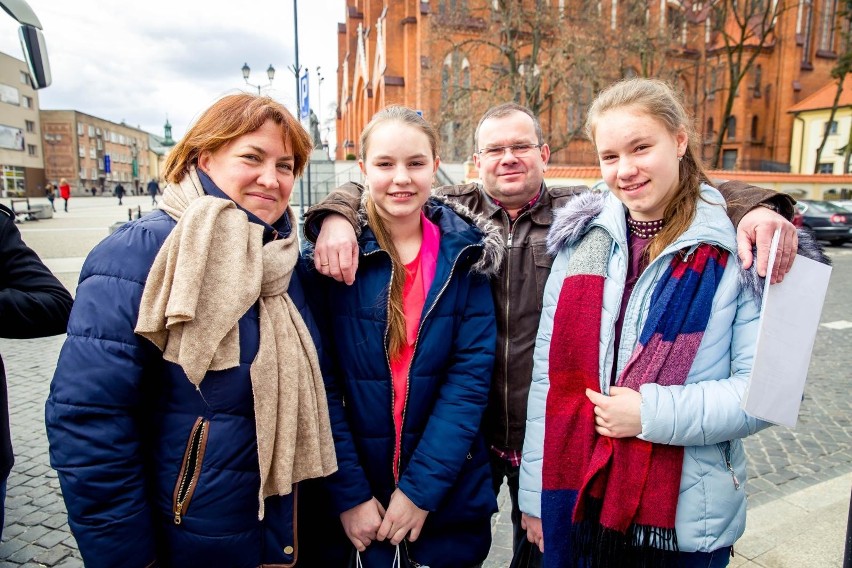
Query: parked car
[845, 203]
[828, 221]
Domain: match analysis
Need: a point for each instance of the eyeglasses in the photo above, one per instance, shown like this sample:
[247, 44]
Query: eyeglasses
[517, 150]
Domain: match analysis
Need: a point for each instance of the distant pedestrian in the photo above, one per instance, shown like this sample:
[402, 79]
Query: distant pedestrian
[94, 191]
[119, 192]
[50, 192]
[33, 303]
[153, 190]
[65, 192]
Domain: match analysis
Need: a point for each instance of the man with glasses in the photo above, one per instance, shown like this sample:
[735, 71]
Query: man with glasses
[512, 157]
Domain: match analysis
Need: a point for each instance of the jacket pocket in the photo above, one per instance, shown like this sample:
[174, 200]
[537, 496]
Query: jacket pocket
[190, 469]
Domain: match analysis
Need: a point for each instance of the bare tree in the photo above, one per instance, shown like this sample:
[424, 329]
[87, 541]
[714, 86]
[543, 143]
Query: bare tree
[742, 30]
[839, 72]
[546, 56]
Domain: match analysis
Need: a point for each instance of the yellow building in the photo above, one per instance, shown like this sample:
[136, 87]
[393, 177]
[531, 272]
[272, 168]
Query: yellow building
[809, 122]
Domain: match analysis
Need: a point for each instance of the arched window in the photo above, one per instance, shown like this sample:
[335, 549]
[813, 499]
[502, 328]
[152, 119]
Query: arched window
[754, 136]
[455, 106]
[758, 80]
[711, 127]
[731, 132]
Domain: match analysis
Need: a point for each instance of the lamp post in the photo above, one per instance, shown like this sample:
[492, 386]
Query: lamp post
[270, 72]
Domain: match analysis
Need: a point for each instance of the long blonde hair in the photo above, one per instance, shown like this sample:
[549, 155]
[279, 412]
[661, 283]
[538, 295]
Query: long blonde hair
[658, 100]
[396, 316]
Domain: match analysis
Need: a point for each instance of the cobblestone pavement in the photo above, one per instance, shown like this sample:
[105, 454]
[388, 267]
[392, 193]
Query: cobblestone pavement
[782, 460]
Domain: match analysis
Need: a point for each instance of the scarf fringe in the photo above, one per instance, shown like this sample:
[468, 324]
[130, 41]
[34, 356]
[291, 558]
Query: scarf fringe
[596, 546]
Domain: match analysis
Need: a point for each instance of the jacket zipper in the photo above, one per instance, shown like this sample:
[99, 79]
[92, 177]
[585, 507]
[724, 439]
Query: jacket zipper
[725, 448]
[398, 463]
[190, 469]
[508, 280]
[390, 373]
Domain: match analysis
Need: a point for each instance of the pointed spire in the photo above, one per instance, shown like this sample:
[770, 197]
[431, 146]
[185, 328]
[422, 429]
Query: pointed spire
[167, 133]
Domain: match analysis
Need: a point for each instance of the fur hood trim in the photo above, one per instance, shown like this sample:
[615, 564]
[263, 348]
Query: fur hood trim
[570, 221]
[493, 247]
[808, 247]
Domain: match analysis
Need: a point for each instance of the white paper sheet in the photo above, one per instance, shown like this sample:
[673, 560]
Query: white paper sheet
[789, 319]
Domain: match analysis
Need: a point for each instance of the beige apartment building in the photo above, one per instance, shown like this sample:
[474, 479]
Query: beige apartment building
[21, 158]
[92, 152]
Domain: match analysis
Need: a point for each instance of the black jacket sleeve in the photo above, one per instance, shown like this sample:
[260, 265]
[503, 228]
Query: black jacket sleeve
[33, 303]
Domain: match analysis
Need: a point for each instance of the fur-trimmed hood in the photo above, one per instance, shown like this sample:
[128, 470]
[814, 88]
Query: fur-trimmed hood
[489, 233]
[571, 222]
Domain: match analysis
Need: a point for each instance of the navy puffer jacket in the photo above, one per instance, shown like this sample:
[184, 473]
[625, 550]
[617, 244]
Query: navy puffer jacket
[444, 460]
[125, 429]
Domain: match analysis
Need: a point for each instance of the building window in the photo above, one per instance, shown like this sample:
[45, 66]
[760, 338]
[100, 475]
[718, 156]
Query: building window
[80, 129]
[100, 144]
[729, 159]
[731, 132]
[30, 125]
[832, 128]
[711, 128]
[32, 150]
[807, 21]
[25, 78]
[92, 152]
[827, 26]
[26, 102]
[91, 131]
[754, 129]
[758, 80]
[13, 181]
[82, 173]
[826, 168]
[82, 152]
[711, 90]
[677, 24]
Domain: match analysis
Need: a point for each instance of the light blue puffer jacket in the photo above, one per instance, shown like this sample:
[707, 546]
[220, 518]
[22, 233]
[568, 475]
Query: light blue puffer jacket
[704, 415]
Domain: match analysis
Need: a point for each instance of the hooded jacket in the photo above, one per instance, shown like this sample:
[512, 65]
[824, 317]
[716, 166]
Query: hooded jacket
[704, 415]
[132, 439]
[444, 466]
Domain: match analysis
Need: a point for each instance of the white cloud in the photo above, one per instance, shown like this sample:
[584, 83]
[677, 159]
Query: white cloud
[143, 61]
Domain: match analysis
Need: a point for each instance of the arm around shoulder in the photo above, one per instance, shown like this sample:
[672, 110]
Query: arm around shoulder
[345, 201]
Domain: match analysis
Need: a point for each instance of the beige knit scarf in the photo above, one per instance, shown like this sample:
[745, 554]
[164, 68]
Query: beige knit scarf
[210, 270]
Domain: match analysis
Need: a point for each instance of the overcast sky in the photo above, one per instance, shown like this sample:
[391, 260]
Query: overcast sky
[142, 61]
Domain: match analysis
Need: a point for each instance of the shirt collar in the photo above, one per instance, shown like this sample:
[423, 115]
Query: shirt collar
[278, 230]
[523, 209]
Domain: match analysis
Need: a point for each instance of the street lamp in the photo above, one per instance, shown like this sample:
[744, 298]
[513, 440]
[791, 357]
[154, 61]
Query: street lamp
[270, 72]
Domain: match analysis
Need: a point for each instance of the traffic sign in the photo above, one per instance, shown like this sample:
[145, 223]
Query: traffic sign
[304, 103]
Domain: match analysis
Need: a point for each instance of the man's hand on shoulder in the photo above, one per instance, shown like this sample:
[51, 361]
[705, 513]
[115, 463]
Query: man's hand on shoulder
[336, 251]
[756, 229]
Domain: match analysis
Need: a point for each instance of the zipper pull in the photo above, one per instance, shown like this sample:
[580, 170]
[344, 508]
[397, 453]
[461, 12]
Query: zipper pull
[730, 466]
[509, 240]
[734, 477]
[177, 517]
